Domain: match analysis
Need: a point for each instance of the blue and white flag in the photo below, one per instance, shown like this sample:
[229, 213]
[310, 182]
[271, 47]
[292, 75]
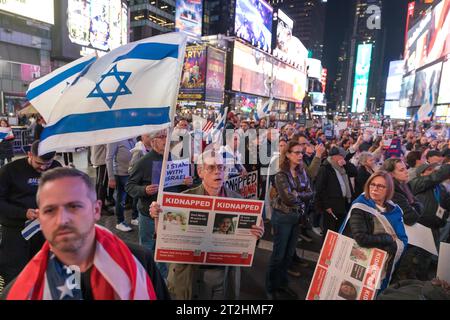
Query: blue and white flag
[31, 228]
[128, 92]
[215, 134]
[264, 110]
[6, 133]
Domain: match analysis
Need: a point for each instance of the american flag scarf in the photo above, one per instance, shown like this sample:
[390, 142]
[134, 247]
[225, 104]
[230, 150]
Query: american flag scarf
[116, 274]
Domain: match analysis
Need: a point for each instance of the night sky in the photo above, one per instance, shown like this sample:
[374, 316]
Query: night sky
[339, 19]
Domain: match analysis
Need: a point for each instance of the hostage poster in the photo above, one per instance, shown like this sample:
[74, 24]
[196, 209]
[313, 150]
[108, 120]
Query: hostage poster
[207, 230]
[346, 271]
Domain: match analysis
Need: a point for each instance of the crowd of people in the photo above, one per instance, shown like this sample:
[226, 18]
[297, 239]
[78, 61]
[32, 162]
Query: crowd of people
[350, 182]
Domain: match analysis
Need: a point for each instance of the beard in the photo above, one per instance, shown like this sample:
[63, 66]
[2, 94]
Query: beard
[70, 242]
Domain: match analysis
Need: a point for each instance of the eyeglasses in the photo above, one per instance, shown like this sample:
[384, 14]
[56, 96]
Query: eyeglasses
[212, 168]
[377, 186]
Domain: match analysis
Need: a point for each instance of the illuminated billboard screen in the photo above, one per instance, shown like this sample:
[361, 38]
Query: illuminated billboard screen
[362, 71]
[289, 83]
[188, 17]
[284, 36]
[215, 75]
[426, 85]
[395, 78]
[41, 10]
[253, 22]
[444, 92]
[97, 24]
[407, 91]
[428, 40]
[314, 68]
[393, 109]
[192, 86]
[251, 70]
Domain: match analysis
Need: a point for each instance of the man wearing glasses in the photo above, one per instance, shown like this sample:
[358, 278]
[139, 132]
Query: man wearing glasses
[18, 186]
[187, 281]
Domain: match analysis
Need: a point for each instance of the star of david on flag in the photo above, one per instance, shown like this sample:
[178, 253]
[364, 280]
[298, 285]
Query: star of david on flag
[130, 91]
[110, 97]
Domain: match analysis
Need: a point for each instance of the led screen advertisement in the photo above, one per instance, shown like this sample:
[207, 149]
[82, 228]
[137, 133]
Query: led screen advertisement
[41, 10]
[429, 39]
[444, 92]
[98, 24]
[188, 17]
[192, 85]
[253, 22]
[361, 81]
[215, 76]
[426, 85]
[288, 82]
[407, 91]
[395, 78]
[393, 109]
[252, 70]
[284, 36]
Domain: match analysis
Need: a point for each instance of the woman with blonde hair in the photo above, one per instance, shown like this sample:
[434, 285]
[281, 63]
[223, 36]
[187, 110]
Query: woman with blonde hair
[374, 221]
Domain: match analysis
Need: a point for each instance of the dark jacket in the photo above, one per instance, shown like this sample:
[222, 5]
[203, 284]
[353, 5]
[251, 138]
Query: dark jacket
[328, 189]
[424, 189]
[411, 212]
[6, 149]
[292, 193]
[141, 175]
[361, 179]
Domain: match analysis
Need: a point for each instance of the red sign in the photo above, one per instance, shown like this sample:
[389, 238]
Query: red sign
[227, 205]
[324, 79]
[181, 201]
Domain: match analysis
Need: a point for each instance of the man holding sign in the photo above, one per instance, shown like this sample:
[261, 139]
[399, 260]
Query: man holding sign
[143, 183]
[219, 282]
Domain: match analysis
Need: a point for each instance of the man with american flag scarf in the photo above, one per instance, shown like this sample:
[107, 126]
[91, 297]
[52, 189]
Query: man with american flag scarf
[81, 260]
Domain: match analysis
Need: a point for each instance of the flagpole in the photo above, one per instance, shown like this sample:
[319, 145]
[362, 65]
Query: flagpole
[181, 52]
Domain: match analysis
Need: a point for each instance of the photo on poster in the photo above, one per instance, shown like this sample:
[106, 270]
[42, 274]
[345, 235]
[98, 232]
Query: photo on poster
[173, 220]
[360, 255]
[225, 223]
[348, 290]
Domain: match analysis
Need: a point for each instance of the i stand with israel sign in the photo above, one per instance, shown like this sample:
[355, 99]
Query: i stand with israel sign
[128, 92]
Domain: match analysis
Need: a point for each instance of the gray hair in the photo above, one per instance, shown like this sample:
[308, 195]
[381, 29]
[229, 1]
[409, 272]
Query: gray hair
[364, 156]
[60, 173]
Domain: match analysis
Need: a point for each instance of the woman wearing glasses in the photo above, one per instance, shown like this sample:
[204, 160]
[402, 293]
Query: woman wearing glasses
[374, 221]
[293, 191]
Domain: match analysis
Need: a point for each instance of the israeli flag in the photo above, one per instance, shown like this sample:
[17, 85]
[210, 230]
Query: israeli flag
[6, 133]
[128, 92]
[215, 134]
[262, 112]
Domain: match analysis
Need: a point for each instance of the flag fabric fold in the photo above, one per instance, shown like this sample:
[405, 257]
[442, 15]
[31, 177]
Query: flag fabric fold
[130, 91]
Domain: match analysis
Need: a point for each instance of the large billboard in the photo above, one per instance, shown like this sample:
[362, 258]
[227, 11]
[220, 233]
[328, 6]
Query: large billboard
[394, 81]
[362, 71]
[41, 10]
[253, 22]
[188, 17]
[407, 91]
[444, 92]
[83, 26]
[192, 86]
[426, 85]
[314, 68]
[428, 40]
[98, 24]
[288, 83]
[393, 109]
[215, 75]
[285, 26]
[252, 70]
